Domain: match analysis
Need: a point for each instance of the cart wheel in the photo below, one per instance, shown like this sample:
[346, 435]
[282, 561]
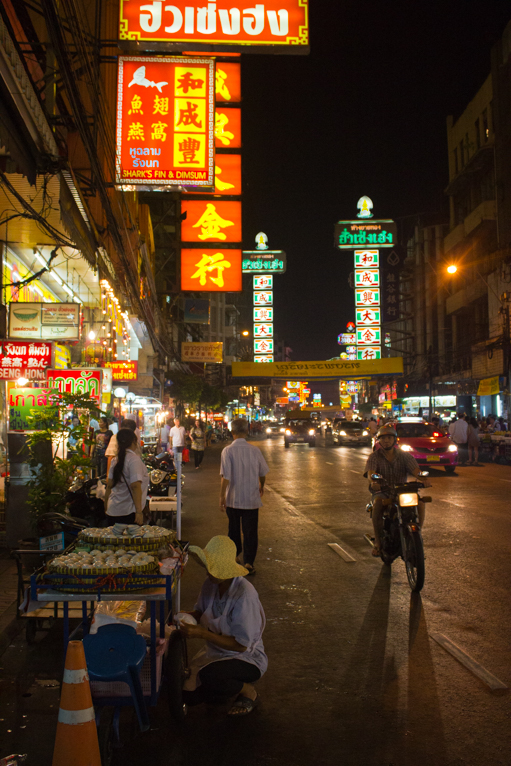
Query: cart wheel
[106, 736]
[30, 630]
[175, 674]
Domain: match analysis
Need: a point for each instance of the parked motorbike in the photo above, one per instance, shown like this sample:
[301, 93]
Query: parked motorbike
[83, 504]
[53, 523]
[162, 475]
[401, 534]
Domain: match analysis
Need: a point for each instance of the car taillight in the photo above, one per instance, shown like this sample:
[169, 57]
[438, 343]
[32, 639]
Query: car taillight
[435, 433]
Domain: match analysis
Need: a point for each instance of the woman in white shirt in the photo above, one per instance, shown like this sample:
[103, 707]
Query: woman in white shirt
[128, 481]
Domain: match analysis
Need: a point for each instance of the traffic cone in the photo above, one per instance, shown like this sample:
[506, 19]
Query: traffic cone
[76, 743]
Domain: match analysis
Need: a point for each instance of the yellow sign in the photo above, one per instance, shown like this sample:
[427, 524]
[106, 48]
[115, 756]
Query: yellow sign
[342, 368]
[202, 352]
[489, 386]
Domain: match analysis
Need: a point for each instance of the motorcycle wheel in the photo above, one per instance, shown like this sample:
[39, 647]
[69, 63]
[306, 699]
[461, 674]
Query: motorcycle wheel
[414, 559]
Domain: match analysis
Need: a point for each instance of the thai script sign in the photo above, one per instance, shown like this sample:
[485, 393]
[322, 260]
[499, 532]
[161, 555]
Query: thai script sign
[213, 271]
[210, 353]
[46, 321]
[86, 380]
[165, 121]
[21, 401]
[337, 368]
[225, 24]
[24, 359]
[123, 370]
[260, 263]
[349, 234]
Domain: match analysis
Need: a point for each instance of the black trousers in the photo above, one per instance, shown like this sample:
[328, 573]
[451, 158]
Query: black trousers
[198, 454]
[129, 519]
[222, 680]
[241, 519]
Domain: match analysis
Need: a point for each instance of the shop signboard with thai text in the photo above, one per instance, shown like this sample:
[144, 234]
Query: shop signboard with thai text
[25, 359]
[221, 25]
[85, 381]
[45, 321]
[210, 353]
[264, 262]
[215, 270]
[349, 235]
[165, 121]
[21, 401]
[333, 368]
[123, 370]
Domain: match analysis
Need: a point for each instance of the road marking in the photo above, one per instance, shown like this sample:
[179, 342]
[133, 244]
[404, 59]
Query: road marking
[369, 540]
[443, 500]
[357, 472]
[465, 659]
[328, 463]
[508, 480]
[341, 552]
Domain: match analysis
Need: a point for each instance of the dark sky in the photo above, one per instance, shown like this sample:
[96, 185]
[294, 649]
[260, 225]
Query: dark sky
[364, 113]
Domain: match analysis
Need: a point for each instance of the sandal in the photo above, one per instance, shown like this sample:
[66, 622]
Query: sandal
[251, 570]
[376, 551]
[243, 706]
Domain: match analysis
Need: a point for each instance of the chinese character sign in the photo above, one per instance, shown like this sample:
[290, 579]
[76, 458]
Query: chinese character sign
[228, 128]
[21, 359]
[263, 330]
[367, 277]
[263, 298]
[165, 121]
[366, 354]
[211, 270]
[206, 221]
[282, 23]
[367, 297]
[390, 268]
[263, 315]
[263, 283]
[368, 317]
[368, 336]
[365, 258]
[263, 346]
[228, 82]
[210, 353]
[264, 358]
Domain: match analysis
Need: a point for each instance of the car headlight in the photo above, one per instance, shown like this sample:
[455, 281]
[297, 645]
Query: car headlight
[268, 430]
[342, 433]
[406, 447]
[452, 448]
[408, 499]
[312, 432]
[282, 430]
[288, 432]
[365, 433]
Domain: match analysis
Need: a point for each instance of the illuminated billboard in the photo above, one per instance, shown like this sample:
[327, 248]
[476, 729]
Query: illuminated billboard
[228, 128]
[213, 271]
[225, 24]
[216, 221]
[165, 121]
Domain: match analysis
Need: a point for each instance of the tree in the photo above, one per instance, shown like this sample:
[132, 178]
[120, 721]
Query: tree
[186, 389]
[52, 475]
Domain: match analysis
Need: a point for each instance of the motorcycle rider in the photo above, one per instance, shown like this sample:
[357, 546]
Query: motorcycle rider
[393, 465]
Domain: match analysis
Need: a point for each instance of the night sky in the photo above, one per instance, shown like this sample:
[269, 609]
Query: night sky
[364, 113]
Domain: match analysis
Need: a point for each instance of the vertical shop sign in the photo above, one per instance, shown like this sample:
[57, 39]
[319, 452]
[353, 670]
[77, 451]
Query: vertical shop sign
[390, 268]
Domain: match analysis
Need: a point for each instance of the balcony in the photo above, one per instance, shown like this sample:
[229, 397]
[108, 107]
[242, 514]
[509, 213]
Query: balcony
[485, 211]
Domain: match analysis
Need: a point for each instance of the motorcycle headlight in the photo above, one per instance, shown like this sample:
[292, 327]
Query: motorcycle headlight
[268, 430]
[157, 476]
[408, 499]
[342, 433]
[405, 447]
[365, 433]
[452, 448]
[288, 432]
[312, 432]
[282, 430]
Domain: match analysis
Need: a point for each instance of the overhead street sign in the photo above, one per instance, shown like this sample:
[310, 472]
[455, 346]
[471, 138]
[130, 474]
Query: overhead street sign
[342, 368]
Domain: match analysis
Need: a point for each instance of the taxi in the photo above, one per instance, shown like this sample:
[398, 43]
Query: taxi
[427, 444]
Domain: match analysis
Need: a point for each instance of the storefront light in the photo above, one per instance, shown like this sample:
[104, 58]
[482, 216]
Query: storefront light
[56, 278]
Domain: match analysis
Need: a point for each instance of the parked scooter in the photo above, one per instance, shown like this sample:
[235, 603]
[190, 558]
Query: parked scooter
[162, 475]
[83, 503]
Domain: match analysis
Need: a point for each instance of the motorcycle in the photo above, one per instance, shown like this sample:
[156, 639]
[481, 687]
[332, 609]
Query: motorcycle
[83, 503]
[401, 533]
[162, 475]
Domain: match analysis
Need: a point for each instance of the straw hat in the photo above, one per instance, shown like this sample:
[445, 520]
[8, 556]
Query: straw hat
[219, 558]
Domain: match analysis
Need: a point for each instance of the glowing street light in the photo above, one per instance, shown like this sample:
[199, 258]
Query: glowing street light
[452, 269]
[245, 332]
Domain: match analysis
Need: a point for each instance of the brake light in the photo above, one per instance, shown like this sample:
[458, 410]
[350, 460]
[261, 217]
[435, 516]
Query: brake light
[436, 433]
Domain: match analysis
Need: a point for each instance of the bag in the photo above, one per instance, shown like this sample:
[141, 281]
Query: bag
[186, 455]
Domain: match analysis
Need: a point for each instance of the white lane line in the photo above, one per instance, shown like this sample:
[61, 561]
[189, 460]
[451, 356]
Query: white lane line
[342, 553]
[450, 502]
[328, 463]
[465, 659]
[357, 472]
[508, 480]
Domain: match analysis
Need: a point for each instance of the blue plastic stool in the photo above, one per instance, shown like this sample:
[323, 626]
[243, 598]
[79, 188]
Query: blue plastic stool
[117, 653]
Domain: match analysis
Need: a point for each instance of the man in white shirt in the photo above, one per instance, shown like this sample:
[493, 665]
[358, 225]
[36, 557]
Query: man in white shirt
[458, 431]
[243, 471]
[177, 438]
[113, 448]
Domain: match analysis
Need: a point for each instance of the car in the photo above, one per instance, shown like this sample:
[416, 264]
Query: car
[351, 432]
[300, 431]
[275, 429]
[427, 444]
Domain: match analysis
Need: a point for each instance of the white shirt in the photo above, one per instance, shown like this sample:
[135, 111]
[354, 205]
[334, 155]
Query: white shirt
[459, 431]
[113, 447]
[120, 502]
[178, 436]
[242, 464]
[165, 434]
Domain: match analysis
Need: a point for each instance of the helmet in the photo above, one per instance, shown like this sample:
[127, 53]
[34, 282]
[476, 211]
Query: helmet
[387, 430]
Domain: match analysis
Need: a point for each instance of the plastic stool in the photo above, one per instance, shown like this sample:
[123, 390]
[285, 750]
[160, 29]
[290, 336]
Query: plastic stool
[117, 653]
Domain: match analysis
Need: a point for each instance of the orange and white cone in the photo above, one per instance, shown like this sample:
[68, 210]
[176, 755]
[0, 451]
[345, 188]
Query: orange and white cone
[76, 743]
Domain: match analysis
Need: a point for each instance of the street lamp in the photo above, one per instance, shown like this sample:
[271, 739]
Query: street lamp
[245, 333]
[452, 269]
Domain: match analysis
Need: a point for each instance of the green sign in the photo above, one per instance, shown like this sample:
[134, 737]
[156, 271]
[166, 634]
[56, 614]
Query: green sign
[349, 235]
[21, 402]
[263, 262]
[365, 258]
[368, 317]
[367, 277]
[366, 354]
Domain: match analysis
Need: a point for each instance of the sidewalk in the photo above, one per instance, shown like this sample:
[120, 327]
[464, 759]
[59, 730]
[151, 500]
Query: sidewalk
[9, 625]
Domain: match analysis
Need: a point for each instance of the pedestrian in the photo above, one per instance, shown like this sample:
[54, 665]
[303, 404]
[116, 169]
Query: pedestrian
[103, 436]
[177, 439]
[128, 480]
[74, 435]
[473, 442]
[209, 434]
[112, 449]
[164, 436]
[198, 437]
[372, 427]
[458, 431]
[231, 621]
[243, 471]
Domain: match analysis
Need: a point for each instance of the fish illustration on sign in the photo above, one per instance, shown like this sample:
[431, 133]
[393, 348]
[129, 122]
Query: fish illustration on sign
[139, 78]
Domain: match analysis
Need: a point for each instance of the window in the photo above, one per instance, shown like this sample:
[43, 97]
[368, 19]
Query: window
[486, 126]
[456, 168]
[478, 134]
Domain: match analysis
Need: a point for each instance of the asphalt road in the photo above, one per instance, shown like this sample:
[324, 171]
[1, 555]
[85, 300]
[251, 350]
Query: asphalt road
[355, 676]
